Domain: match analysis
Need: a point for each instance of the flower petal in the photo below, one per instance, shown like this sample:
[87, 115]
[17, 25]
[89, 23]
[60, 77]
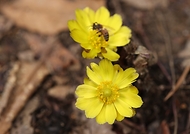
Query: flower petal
[93, 76]
[102, 15]
[94, 109]
[118, 76]
[95, 68]
[129, 71]
[129, 77]
[110, 55]
[83, 19]
[100, 71]
[134, 100]
[72, 24]
[107, 70]
[111, 113]
[123, 108]
[121, 38]
[83, 103]
[86, 45]
[101, 117]
[87, 81]
[114, 23]
[131, 98]
[91, 54]
[119, 117]
[86, 91]
[133, 89]
[90, 13]
[79, 36]
[118, 68]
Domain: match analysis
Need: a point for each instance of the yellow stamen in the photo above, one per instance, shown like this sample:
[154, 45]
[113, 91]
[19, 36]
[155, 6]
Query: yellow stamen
[108, 92]
[96, 39]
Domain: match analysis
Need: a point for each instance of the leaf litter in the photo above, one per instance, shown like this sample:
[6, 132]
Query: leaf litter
[45, 16]
[49, 67]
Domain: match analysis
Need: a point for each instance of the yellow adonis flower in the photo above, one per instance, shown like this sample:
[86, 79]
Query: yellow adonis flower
[98, 33]
[108, 93]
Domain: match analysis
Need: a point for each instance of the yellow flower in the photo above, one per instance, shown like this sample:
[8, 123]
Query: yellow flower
[108, 93]
[98, 33]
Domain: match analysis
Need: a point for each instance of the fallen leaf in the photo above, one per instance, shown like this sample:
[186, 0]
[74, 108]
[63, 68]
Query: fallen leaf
[58, 59]
[62, 58]
[138, 56]
[46, 16]
[30, 75]
[145, 57]
[5, 25]
[164, 127]
[24, 119]
[95, 128]
[60, 92]
[147, 4]
[90, 126]
[26, 55]
[60, 80]
[9, 86]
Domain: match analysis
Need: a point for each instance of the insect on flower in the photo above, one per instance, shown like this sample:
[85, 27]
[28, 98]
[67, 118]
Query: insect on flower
[99, 33]
[103, 31]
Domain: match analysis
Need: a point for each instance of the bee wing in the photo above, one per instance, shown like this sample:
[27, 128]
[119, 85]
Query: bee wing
[110, 30]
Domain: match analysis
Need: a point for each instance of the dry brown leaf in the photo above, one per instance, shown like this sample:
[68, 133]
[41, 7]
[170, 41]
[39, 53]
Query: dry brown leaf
[31, 74]
[9, 86]
[59, 57]
[60, 80]
[139, 56]
[164, 127]
[185, 55]
[29, 77]
[23, 121]
[147, 4]
[95, 128]
[26, 55]
[145, 57]
[46, 16]
[60, 92]
[62, 58]
[90, 126]
[5, 25]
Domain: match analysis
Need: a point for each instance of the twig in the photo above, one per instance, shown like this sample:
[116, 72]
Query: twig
[8, 87]
[164, 71]
[178, 84]
[175, 118]
[164, 127]
[164, 31]
[27, 89]
[188, 123]
[133, 125]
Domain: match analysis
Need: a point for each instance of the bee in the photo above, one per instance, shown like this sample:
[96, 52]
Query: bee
[103, 31]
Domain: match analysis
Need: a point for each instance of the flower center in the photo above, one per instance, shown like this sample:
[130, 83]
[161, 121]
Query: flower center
[107, 92]
[97, 40]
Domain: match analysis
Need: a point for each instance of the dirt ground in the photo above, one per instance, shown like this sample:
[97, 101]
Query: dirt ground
[41, 66]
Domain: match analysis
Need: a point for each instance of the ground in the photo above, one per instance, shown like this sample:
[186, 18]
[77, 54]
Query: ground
[40, 68]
